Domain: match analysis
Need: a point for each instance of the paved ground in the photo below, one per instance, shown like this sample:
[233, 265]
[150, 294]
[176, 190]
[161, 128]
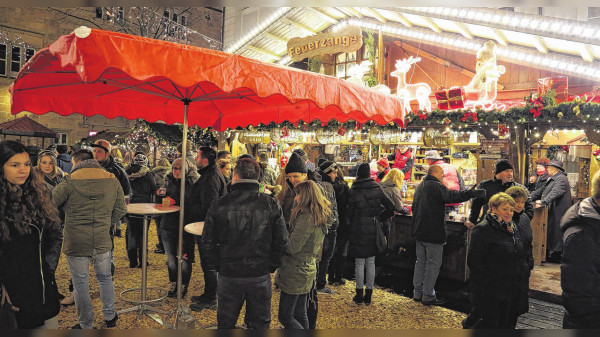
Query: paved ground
[542, 315]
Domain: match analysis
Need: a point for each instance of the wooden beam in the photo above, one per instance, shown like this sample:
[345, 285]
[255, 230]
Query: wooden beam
[375, 14]
[586, 53]
[499, 36]
[539, 44]
[264, 52]
[381, 59]
[355, 12]
[299, 25]
[345, 11]
[400, 18]
[463, 30]
[431, 24]
[421, 69]
[275, 37]
[324, 15]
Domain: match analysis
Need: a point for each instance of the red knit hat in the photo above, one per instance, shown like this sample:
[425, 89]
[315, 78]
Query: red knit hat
[383, 162]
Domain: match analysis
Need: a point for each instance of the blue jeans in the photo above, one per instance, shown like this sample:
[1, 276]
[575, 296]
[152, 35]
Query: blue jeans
[427, 268]
[359, 272]
[233, 291]
[323, 265]
[170, 242]
[79, 267]
[210, 275]
[292, 311]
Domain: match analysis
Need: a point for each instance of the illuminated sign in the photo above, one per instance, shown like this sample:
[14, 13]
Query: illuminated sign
[346, 40]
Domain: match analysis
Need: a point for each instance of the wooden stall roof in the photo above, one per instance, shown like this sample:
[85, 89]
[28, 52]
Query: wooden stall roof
[25, 126]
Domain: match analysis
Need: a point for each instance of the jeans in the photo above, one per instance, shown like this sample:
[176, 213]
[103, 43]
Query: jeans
[210, 275]
[427, 268]
[170, 242]
[79, 267]
[323, 266]
[292, 311]
[233, 291]
[359, 271]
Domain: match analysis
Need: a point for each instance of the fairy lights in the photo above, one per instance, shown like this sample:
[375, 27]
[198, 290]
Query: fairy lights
[280, 13]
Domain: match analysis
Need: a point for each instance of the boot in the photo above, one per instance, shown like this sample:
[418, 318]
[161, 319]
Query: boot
[368, 294]
[173, 290]
[358, 298]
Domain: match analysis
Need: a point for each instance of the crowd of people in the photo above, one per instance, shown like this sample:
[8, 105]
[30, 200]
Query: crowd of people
[301, 225]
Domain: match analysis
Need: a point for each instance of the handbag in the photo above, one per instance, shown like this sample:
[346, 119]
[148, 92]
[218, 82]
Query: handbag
[8, 320]
[380, 239]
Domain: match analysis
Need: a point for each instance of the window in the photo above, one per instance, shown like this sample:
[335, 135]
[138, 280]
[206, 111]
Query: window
[184, 20]
[61, 139]
[99, 12]
[343, 63]
[3, 59]
[28, 54]
[120, 14]
[175, 17]
[166, 19]
[15, 60]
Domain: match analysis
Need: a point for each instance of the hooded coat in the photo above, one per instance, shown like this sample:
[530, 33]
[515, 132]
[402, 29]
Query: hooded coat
[143, 185]
[556, 194]
[366, 203]
[160, 171]
[580, 268]
[92, 200]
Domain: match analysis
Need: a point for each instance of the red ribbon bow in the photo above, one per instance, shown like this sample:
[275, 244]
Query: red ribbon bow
[467, 114]
[422, 116]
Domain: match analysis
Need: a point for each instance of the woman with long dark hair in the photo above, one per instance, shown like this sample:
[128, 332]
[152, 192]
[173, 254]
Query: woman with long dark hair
[296, 276]
[30, 240]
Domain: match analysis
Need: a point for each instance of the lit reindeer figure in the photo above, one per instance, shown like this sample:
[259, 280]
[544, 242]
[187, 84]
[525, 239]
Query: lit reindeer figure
[408, 92]
[357, 73]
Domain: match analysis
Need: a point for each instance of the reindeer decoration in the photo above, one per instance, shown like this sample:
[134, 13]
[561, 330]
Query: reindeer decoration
[358, 72]
[409, 92]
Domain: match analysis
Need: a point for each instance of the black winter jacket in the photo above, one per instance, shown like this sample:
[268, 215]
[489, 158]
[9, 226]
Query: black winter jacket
[556, 194]
[113, 167]
[245, 233]
[580, 268]
[495, 260]
[31, 286]
[491, 187]
[524, 227]
[143, 184]
[429, 209]
[342, 191]
[170, 221]
[366, 202]
[208, 188]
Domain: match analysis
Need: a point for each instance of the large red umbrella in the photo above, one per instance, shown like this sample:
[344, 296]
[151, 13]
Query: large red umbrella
[99, 72]
[95, 72]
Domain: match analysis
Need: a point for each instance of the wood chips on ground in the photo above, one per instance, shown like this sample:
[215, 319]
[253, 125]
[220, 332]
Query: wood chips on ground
[337, 311]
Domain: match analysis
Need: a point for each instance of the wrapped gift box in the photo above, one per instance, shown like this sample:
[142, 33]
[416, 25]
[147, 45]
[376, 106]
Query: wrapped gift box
[559, 84]
[450, 99]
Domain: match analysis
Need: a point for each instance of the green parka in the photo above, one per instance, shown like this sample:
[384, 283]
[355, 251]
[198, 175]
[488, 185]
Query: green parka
[92, 199]
[298, 269]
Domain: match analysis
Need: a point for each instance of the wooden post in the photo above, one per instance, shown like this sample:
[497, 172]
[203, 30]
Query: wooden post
[380, 58]
[539, 227]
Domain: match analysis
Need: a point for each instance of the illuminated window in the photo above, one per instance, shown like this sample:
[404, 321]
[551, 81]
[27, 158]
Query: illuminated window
[343, 63]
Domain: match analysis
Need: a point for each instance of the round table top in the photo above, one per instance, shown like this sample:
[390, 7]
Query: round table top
[150, 209]
[195, 228]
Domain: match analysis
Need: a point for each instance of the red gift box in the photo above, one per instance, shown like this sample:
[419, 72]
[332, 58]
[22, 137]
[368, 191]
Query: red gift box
[559, 84]
[450, 99]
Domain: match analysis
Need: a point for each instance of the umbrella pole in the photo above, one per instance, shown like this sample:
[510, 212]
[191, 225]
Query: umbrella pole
[185, 167]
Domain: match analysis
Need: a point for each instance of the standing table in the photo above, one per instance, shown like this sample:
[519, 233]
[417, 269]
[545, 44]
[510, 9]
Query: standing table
[147, 211]
[195, 228]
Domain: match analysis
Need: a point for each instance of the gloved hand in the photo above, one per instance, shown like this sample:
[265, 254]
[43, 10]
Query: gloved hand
[478, 193]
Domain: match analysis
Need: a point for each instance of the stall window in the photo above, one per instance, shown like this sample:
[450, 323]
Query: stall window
[28, 54]
[343, 63]
[3, 59]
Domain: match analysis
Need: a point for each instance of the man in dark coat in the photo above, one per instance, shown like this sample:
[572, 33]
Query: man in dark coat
[63, 159]
[244, 239]
[429, 230]
[580, 268]
[503, 179]
[556, 195]
[207, 189]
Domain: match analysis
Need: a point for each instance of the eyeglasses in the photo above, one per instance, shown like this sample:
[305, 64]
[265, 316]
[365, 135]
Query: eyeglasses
[176, 168]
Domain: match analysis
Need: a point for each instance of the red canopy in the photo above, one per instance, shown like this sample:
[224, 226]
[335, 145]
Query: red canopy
[99, 72]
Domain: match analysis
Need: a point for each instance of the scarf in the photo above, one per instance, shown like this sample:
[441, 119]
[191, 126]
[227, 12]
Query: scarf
[507, 226]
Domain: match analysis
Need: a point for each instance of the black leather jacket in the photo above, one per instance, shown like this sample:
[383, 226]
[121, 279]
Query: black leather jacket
[244, 233]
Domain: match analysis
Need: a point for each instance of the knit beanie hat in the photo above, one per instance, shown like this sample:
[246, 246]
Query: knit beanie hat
[383, 162]
[302, 154]
[321, 161]
[295, 164]
[502, 165]
[364, 171]
[140, 159]
[327, 166]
